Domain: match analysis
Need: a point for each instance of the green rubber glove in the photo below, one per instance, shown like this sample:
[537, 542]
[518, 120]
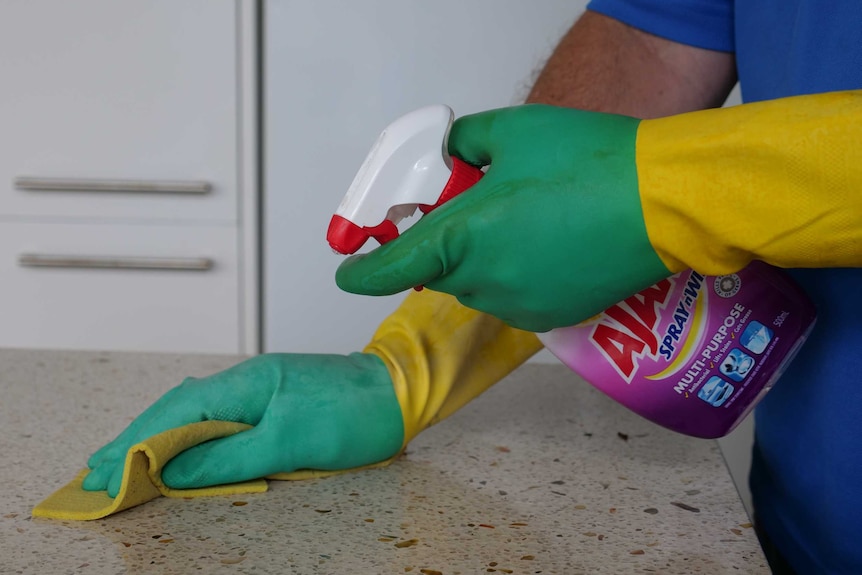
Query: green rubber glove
[553, 234]
[324, 412]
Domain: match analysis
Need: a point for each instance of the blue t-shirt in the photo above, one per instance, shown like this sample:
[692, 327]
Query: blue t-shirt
[806, 477]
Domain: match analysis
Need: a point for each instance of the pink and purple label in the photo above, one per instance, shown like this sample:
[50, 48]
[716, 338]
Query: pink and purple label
[692, 353]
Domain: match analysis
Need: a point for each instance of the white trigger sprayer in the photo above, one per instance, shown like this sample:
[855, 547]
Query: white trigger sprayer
[409, 167]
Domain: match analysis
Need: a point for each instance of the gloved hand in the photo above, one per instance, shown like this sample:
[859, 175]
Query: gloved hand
[328, 412]
[308, 412]
[580, 210]
[553, 233]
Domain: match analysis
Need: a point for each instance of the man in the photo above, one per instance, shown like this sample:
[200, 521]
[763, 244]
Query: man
[591, 208]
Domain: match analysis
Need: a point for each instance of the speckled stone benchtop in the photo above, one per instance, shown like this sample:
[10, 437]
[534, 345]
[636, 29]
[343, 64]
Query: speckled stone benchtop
[542, 474]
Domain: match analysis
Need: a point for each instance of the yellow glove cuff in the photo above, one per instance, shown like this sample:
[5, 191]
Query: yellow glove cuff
[441, 355]
[779, 181]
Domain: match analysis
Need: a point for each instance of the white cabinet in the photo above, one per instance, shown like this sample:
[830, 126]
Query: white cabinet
[128, 131]
[141, 287]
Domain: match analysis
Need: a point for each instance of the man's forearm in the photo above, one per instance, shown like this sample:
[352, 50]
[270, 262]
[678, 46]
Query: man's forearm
[604, 65]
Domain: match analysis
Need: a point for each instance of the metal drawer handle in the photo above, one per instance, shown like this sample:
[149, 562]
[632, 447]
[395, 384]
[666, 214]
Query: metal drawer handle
[110, 262]
[124, 186]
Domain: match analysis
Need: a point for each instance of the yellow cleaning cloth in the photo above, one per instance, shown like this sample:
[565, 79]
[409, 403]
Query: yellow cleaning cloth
[142, 474]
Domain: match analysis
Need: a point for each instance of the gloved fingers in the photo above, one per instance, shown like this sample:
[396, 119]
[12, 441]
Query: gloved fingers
[482, 138]
[230, 459]
[99, 475]
[119, 445]
[106, 476]
[470, 137]
[115, 479]
[227, 460]
[406, 262]
[110, 451]
[166, 413]
[170, 411]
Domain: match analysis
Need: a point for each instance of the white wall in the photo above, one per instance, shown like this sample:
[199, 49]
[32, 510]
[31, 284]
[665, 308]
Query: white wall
[337, 73]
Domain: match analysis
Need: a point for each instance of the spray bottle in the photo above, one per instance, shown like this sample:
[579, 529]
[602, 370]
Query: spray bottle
[692, 353]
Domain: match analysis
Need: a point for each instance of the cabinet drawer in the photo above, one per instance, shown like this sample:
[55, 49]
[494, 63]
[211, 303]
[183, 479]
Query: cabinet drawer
[101, 90]
[119, 287]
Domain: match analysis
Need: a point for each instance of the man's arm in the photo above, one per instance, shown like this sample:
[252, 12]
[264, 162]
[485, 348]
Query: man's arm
[604, 65]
